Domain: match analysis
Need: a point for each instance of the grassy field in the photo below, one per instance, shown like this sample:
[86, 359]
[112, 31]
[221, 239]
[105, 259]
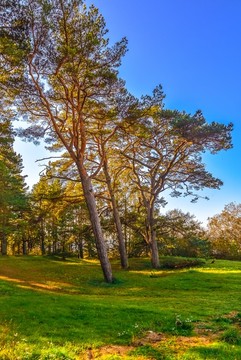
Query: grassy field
[52, 309]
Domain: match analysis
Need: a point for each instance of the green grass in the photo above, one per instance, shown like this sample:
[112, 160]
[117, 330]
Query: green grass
[51, 309]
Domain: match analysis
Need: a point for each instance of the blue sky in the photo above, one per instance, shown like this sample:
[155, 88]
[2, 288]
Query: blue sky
[192, 48]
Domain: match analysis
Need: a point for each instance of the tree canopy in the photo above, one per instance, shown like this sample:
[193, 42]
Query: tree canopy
[224, 232]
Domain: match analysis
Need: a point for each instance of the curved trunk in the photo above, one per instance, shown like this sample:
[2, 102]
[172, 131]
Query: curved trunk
[96, 227]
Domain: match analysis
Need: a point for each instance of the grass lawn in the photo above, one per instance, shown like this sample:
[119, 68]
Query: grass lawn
[52, 309]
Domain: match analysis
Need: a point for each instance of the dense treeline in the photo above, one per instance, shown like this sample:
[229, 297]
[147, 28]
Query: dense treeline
[118, 155]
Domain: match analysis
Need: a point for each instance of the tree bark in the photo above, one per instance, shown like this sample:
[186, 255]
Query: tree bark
[4, 244]
[151, 238]
[42, 238]
[121, 241]
[155, 261]
[80, 248]
[24, 247]
[96, 226]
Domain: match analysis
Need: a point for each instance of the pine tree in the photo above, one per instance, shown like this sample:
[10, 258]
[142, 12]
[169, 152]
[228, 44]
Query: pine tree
[70, 80]
[13, 198]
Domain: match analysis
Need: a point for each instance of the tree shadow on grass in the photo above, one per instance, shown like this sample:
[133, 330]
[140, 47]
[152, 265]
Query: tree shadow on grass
[39, 316]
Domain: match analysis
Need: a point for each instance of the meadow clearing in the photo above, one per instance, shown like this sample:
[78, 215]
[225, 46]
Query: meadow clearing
[53, 309]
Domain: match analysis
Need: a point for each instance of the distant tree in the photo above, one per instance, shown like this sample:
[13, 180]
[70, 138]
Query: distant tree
[46, 199]
[70, 79]
[60, 217]
[181, 234]
[224, 232]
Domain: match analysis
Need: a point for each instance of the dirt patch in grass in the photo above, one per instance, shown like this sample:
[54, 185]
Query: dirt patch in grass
[150, 337]
[175, 344]
[108, 350]
[204, 329]
[231, 315]
[180, 344]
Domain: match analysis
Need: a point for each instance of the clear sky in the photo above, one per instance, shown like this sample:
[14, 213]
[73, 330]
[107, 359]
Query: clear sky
[192, 48]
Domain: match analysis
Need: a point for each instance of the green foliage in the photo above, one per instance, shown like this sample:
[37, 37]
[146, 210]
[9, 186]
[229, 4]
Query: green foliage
[224, 232]
[178, 263]
[60, 217]
[181, 235]
[13, 198]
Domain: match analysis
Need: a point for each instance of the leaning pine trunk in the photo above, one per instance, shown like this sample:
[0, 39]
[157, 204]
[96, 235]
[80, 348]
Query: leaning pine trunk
[95, 222]
[122, 246]
[121, 241]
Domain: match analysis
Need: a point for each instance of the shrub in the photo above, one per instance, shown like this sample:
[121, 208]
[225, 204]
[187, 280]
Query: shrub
[182, 264]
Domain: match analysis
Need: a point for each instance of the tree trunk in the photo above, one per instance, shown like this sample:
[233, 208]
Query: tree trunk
[122, 246]
[151, 237]
[24, 247]
[80, 248]
[42, 244]
[63, 251]
[121, 241]
[96, 226]
[4, 244]
[155, 261]
[54, 247]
